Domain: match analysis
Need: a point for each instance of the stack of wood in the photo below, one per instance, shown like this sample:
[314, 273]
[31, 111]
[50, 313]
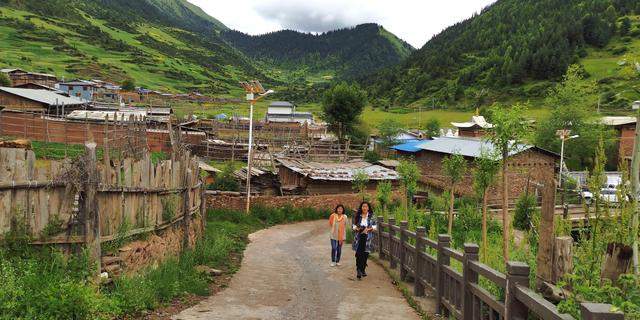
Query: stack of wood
[112, 265]
[263, 182]
[19, 144]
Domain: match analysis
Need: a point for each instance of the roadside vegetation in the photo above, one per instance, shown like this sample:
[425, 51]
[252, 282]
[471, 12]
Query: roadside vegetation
[43, 283]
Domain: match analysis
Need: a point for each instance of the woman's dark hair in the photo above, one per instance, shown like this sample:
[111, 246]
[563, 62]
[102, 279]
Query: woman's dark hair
[340, 206]
[359, 212]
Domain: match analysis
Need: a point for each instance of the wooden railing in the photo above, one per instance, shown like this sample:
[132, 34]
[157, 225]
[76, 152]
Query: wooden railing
[458, 294]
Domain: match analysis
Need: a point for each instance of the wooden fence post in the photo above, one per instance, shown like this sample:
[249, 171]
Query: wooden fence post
[517, 274]
[444, 240]
[403, 250]
[392, 252]
[469, 277]
[380, 231]
[418, 287]
[90, 208]
[203, 207]
[599, 311]
[186, 203]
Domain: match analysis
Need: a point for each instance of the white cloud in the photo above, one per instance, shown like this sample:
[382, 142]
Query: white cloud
[415, 21]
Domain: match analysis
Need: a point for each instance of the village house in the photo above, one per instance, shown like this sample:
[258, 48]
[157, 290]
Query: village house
[84, 90]
[38, 100]
[625, 128]
[313, 178]
[282, 111]
[20, 77]
[475, 128]
[528, 166]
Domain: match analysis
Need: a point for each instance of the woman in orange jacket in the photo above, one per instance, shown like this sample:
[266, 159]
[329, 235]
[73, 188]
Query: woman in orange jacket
[338, 223]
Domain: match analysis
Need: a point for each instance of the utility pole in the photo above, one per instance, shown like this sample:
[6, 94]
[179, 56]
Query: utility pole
[635, 183]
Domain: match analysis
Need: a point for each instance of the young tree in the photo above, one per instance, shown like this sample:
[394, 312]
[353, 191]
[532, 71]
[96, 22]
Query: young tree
[360, 181]
[484, 175]
[388, 129]
[454, 167]
[573, 105]
[383, 195]
[625, 26]
[432, 128]
[409, 175]
[128, 84]
[507, 134]
[4, 80]
[341, 106]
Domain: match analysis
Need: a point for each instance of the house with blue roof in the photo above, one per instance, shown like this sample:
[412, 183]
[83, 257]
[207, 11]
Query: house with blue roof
[528, 166]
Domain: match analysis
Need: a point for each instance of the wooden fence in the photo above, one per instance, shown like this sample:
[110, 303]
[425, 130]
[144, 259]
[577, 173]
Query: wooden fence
[458, 294]
[90, 201]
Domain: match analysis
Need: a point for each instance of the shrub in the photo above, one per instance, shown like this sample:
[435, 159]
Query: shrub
[525, 206]
[225, 180]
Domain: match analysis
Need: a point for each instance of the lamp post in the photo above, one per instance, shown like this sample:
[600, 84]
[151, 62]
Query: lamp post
[563, 135]
[255, 92]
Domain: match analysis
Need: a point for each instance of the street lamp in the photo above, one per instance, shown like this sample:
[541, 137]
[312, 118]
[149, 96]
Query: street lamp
[563, 134]
[255, 91]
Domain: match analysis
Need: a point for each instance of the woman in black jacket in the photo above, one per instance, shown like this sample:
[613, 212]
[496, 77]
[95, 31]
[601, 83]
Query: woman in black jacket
[364, 225]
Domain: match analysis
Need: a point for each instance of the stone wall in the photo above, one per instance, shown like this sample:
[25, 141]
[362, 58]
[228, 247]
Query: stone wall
[328, 201]
[155, 248]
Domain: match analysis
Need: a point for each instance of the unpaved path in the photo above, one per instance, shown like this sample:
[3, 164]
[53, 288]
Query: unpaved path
[285, 274]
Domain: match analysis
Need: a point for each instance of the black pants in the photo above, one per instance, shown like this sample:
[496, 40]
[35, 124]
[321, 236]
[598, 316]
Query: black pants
[361, 254]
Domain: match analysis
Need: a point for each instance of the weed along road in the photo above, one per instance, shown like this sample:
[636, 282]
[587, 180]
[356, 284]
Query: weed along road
[286, 274]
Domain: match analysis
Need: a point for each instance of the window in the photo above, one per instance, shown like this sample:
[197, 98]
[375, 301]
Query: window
[70, 88]
[85, 88]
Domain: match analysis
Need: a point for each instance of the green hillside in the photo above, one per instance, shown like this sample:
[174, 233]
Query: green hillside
[346, 53]
[114, 40]
[514, 50]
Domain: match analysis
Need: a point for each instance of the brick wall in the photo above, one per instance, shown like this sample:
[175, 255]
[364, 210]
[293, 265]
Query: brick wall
[531, 165]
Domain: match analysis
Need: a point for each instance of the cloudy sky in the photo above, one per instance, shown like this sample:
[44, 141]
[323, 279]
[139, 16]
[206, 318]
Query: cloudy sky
[415, 21]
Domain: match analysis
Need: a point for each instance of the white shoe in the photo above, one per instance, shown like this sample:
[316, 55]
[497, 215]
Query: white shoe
[333, 264]
[337, 263]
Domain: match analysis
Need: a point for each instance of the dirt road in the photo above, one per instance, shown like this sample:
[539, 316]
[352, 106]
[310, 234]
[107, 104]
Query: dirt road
[286, 274]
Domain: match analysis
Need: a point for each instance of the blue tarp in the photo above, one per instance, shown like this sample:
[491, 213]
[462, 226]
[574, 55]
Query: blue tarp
[409, 146]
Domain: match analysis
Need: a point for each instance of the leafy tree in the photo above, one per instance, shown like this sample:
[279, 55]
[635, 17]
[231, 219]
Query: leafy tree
[388, 130]
[409, 174]
[225, 180]
[4, 80]
[484, 175]
[432, 128]
[128, 85]
[360, 181]
[508, 132]
[341, 107]
[573, 101]
[383, 195]
[454, 167]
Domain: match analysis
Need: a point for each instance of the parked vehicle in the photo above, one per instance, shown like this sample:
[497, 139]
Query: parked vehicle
[610, 195]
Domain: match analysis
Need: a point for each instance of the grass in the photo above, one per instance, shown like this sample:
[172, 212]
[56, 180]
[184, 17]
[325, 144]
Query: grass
[42, 283]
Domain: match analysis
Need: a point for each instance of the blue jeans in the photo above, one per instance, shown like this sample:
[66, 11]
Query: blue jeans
[336, 250]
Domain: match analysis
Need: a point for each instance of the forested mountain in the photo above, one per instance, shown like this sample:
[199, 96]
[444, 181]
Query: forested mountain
[512, 47]
[173, 45]
[348, 52]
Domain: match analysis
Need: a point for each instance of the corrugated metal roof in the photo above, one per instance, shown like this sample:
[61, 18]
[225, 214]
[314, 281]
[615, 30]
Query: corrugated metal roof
[617, 121]
[281, 104]
[341, 171]
[389, 163]
[110, 115]
[468, 147]
[43, 96]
